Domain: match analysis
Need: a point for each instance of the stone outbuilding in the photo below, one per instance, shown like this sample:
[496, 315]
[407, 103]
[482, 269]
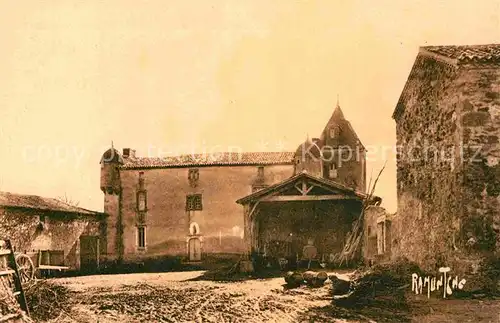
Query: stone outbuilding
[63, 234]
[448, 165]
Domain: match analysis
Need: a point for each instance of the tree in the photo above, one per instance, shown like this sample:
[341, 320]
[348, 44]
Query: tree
[68, 200]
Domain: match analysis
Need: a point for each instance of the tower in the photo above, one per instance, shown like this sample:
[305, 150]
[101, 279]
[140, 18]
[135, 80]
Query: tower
[337, 155]
[344, 158]
[110, 171]
[111, 187]
[308, 157]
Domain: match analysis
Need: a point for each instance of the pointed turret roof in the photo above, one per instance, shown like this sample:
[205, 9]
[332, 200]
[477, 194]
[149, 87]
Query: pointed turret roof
[339, 120]
[337, 113]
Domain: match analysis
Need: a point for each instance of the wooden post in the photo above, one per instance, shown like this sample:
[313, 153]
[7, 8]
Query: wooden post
[17, 280]
[98, 253]
[246, 230]
[246, 264]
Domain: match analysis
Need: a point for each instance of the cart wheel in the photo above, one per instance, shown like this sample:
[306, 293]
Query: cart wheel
[25, 268]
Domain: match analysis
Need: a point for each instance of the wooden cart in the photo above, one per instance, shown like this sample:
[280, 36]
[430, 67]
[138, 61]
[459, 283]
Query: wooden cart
[39, 263]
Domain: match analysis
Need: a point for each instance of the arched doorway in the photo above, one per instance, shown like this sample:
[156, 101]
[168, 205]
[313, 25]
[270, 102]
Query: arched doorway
[194, 249]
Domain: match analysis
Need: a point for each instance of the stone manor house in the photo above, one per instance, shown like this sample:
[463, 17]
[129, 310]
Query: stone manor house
[269, 203]
[195, 207]
[448, 183]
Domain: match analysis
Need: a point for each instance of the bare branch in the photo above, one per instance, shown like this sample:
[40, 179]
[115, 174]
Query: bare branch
[354, 237]
[68, 200]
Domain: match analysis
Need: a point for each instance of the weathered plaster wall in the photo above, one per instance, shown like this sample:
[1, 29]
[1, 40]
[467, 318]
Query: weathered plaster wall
[220, 222]
[448, 204]
[59, 232]
[327, 223]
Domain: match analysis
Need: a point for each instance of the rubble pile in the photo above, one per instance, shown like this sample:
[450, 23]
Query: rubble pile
[47, 300]
[146, 303]
[382, 286]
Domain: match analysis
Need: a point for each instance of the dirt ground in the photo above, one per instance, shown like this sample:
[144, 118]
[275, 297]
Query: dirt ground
[176, 297]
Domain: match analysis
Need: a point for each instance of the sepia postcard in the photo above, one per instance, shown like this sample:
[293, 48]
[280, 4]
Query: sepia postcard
[250, 161]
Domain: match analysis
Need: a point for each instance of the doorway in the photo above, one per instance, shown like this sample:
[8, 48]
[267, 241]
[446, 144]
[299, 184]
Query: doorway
[194, 247]
[89, 253]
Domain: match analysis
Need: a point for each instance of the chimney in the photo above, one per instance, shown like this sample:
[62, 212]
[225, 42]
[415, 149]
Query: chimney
[128, 153]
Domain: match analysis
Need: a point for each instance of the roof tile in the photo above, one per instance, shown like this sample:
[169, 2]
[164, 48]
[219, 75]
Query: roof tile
[212, 159]
[40, 203]
[475, 53]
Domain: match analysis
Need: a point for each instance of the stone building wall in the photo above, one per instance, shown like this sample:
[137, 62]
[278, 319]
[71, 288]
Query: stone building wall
[167, 223]
[59, 232]
[480, 125]
[448, 204]
[112, 238]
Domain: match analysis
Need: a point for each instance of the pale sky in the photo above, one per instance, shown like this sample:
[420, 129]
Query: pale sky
[75, 75]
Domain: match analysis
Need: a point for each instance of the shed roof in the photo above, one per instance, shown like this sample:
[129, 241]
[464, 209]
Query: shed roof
[35, 202]
[298, 177]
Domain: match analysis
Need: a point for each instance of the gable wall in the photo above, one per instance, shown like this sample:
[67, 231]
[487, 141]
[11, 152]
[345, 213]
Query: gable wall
[448, 205]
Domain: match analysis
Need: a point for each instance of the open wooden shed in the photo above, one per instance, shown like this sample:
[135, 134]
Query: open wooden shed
[282, 218]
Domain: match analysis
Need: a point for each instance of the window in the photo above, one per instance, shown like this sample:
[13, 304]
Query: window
[141, 237]
[334, 132]
[193, 202]
[141, 180]
[141, 201]
[332, 171]
[260, 172]
[193, 174]
[193, 177]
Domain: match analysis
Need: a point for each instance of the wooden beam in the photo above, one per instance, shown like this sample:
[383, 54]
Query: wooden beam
[253, 210]
[284, 198]
[299, 189]
[309, 189]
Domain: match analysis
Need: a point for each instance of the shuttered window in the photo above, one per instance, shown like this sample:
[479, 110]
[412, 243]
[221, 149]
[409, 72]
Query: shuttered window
[141, 237]
[193, 202]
